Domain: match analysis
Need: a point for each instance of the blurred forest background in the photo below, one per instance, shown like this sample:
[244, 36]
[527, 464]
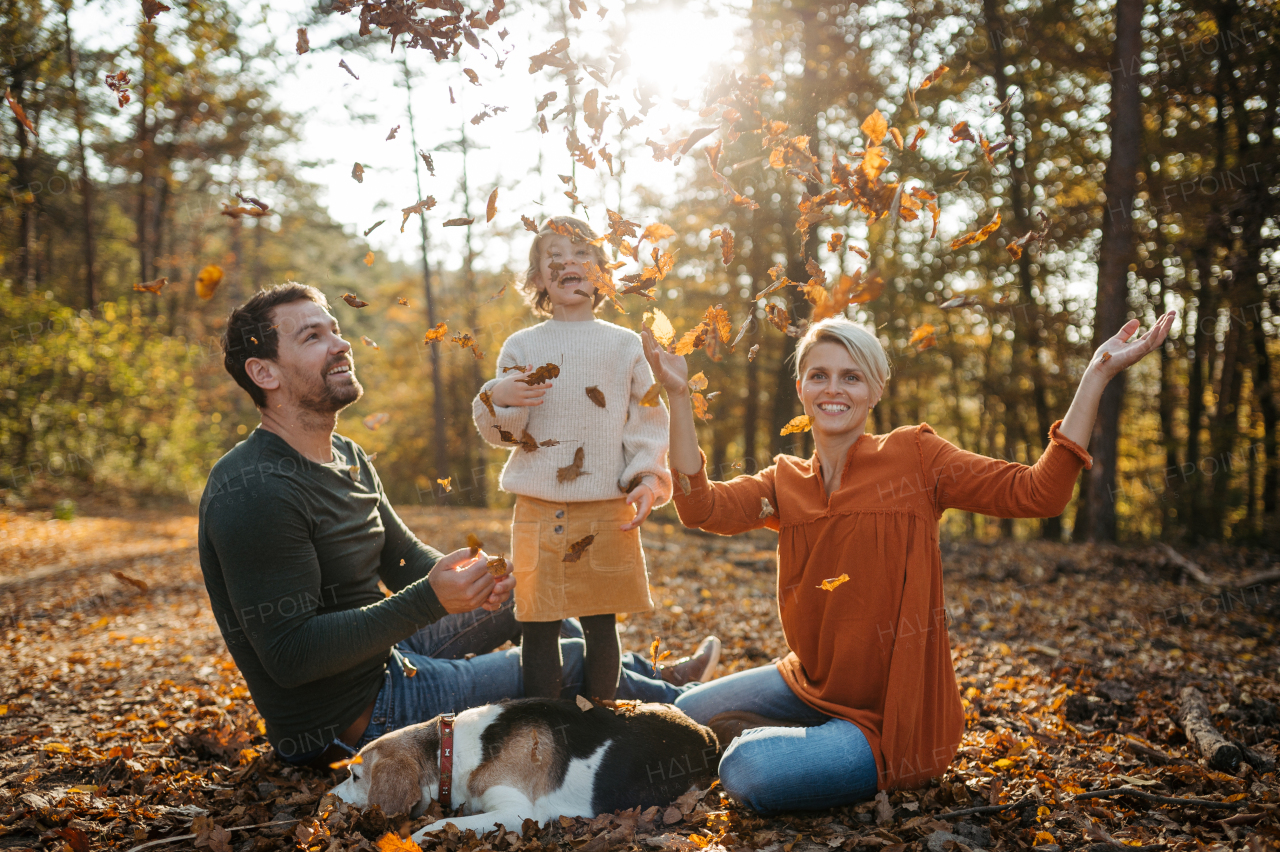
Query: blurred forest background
[1144, 133]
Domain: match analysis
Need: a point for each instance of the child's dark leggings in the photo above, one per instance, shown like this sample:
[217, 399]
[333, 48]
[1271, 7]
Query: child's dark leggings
[540, 660]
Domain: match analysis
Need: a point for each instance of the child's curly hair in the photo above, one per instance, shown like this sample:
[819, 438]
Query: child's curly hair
[531, 286]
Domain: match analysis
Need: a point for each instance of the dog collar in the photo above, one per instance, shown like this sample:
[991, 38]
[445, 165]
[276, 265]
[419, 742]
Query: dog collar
[446, 762]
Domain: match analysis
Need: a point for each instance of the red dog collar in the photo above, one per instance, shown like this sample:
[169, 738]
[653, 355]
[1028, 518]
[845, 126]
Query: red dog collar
[446, 762]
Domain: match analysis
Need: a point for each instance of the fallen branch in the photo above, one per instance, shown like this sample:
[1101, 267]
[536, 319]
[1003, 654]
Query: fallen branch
[1152, 797]
[1189, 568]
[985, 809]
[1147, 751]
[1262, 579]
[163, 840]
[1193, 715]
[1260, 761]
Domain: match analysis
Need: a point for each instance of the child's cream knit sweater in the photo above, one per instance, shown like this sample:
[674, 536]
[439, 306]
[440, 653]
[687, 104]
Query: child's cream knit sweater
[619, 441]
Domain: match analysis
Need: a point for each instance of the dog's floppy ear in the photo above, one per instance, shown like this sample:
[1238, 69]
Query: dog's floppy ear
[394, 785]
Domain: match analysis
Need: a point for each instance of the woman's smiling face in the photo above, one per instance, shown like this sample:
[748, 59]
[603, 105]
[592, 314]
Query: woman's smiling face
[833, 389]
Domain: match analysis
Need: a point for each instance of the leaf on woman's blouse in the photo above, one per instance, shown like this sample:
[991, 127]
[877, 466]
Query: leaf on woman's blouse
[543, 374]
[828, 585]
[578, 548]
[570, 472]
[799, 423]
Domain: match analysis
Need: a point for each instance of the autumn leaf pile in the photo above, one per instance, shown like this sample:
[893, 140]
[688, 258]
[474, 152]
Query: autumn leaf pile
[124, 720]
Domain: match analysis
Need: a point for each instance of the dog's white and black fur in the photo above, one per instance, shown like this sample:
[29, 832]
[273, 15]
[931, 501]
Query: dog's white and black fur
[536, 758]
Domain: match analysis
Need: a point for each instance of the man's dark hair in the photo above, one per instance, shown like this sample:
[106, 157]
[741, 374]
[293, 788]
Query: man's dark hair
[251, 333]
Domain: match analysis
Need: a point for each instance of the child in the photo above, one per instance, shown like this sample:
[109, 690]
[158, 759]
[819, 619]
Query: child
[588, 464]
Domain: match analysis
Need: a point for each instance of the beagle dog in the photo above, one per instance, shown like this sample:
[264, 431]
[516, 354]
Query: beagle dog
[533, 758]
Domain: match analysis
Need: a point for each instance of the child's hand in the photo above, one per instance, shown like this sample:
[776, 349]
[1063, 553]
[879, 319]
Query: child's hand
[642, 498]
[670, 371]
[511, 391]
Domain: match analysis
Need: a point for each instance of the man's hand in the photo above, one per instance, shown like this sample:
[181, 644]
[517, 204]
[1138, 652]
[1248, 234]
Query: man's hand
[463, 582]
[510, 391]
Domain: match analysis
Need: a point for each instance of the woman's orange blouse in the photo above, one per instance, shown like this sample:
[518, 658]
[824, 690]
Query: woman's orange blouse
[874, 650]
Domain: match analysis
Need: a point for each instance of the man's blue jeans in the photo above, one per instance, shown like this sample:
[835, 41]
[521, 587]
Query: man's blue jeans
[824, 764]
[447, 682]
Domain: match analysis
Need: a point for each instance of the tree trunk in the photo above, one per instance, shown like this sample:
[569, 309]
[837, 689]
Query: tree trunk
[1116, 252]
[1203, 342]
[439, 439]
[86, 183]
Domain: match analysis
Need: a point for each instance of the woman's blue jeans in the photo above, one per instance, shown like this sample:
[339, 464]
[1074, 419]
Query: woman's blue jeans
[824, 764]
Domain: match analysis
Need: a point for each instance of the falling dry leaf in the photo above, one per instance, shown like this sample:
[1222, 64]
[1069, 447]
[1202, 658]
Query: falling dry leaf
[572, 471]
[486, 399]
[875, 127]
[371, 228]
[401, 300]
[663, 332]
[584, 704]
[368, 258]
[392, 134]
[351, 300]
[958, 302]
[932, 78]
[152, 286]
[496, 295]
[303, 43]
[354, 760]
[977, 236]
[420, 208]
[436, 334]
[457, 223]
[374, 421]
[698, 382]
[368, 342]
[119, 83]
[207, 281]
[491, 209]
[543, 374]
[799, 423]
[828, 585]
[357, 172]
[151, 8]
[578, 548]
[596, 395]
[446, 484]
[766, 508]
[342, 63]
[752, 352]
[651, 396]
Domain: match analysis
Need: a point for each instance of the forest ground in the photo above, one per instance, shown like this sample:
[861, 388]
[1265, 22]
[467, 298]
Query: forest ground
[123, 719]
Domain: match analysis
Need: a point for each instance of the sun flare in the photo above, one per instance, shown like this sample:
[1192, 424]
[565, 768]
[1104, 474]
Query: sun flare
[673, 48]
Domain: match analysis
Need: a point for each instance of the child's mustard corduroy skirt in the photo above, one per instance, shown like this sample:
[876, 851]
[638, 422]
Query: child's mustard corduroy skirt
[609, 577]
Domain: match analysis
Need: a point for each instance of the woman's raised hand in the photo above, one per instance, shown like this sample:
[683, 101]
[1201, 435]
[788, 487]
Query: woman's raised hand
[1121, 352]
[669, 370]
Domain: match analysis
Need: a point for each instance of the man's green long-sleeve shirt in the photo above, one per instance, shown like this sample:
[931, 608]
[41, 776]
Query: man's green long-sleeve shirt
[292, 552]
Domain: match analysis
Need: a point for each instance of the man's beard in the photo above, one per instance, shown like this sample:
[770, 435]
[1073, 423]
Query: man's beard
[328, 397]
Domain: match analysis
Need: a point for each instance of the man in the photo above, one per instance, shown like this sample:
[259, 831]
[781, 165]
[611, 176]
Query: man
[295, 533]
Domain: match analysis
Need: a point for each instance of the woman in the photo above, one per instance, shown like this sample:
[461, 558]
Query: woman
[867, 698]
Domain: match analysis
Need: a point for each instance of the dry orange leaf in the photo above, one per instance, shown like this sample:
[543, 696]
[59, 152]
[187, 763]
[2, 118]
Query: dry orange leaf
[474, 543]
[486, 399]
[491, 209]
[875, 127]
[578, 548]
[572, 471]
[436, 333]
[446, 484]
[351, 300]
[543, 374]
[651, 396]
[596, 395]
[392, 842]
[828, 585]
[799, 423]
[977, 236]
[698, 382]
[368, 258]
[373, 421]
[368, 341]
[152, 286]
[663, 331]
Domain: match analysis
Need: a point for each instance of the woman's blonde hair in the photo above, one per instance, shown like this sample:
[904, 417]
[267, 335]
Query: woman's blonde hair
[531, 287]
[864, 348]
